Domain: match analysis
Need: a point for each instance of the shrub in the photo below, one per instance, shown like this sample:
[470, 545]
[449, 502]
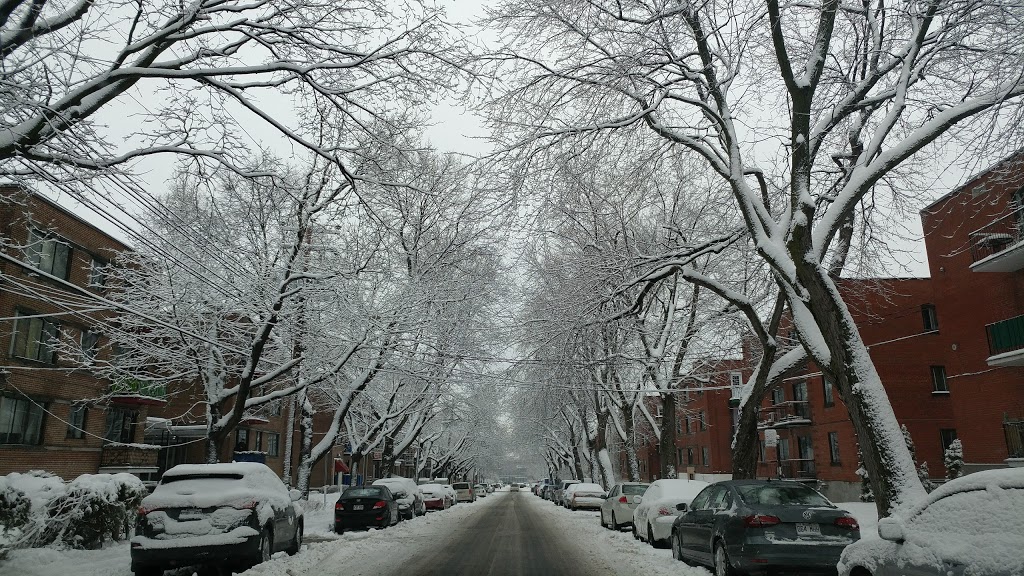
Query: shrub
[95, 507]
[953, 458]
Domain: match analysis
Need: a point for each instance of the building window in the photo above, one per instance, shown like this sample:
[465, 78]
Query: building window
[242, 440]
[931, 320]
[762, 452]
[686, 421]
[703, 423]
[97, 273]
[705, 457]
[783, 449]
[830, 393]
[34, 338]
[76, 421]
[679, 426]
[735, 383]
[258, 441]
[48, 254]
[273, 443]
[90, 344]
[833, 447]
[778, 395]
[689, 457]
[946, 437]
[120, 425]
[679, 458]
[939, 383]
[21, 421]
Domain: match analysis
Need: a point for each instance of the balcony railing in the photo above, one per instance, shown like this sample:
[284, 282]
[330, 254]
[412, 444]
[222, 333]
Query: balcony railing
[997, 235]
[1005, 335]
[122, 456]
[1014, 438]
[137, 391]
[787, 414]
[798, 469]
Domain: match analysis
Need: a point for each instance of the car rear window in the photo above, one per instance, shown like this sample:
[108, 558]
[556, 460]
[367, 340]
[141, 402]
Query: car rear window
[168, 478]
[461, 486]
[781, 495]
[363, 492]
[634, 489]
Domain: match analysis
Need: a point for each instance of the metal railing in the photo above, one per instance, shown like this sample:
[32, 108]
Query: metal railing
[138, 387]
[790, 413]
[133, 456]
[997, 235]
[798, 468]
[1005, 335]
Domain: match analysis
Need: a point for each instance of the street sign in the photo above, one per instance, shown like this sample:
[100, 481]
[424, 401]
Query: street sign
[771, 438]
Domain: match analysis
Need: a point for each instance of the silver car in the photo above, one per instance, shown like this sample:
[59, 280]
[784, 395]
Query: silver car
[971, 525]
[617, 509]
[558, 497]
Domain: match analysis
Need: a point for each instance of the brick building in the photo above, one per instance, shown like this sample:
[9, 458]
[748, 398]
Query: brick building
[52, 416]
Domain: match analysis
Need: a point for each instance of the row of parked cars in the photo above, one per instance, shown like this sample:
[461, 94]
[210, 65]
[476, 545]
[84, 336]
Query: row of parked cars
[968, 526]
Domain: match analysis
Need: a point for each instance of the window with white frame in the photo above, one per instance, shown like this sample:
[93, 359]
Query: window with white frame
[735, 383]
[97, 273]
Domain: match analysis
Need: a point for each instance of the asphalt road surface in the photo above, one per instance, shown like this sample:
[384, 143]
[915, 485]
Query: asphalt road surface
[507, 538]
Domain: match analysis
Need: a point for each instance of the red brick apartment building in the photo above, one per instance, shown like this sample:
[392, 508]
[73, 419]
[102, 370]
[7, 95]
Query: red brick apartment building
[44, 423]
[949, 350]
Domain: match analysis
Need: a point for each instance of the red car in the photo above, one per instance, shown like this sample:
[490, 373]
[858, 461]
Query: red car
[436, 497]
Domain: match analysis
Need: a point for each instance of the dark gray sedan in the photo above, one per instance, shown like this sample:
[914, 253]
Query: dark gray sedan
[762, 526]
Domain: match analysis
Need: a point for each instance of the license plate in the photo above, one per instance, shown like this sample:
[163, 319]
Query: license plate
[807, 529]
[190, 514]
[358, 507]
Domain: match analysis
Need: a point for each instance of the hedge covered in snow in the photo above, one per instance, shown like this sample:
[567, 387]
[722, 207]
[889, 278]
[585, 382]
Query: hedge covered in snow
[40, 509]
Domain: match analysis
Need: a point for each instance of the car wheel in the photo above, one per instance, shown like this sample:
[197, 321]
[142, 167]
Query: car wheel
[650, 536]
[636, 535]
[149, 571]
[615, 523]
[722, 567]
[266, 546]
[674, 544]
[860, 571]
[296, 541]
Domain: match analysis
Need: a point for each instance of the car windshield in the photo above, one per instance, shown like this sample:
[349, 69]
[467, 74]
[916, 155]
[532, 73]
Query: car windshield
[369, 492]
[634, 489]
[781, 495]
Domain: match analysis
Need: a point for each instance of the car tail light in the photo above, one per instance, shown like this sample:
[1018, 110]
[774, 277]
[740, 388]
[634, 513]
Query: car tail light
[380, 504]
[339, 506]
[848, 522]
[761, 520]
[623, 500]
[143, 510]
[664, 511]
[246, 506]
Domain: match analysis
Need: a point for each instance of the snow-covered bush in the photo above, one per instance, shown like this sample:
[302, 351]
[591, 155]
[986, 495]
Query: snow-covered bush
[94, 508]
[925, 476]
[14, 507]
[954, 460]
[23, 498]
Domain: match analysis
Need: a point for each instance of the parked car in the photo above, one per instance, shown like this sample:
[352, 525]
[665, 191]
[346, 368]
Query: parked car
[361, 507]
[617, 508]
[659, 506]
[480, 490]
[513, 488]
[761, 526]
[559, 492]
[451, 493]
[435, 497]
[548, 492]
[408, 494]
[490, 487]
[584, 495]
[464, 492]
[228, 516]
[970, 525]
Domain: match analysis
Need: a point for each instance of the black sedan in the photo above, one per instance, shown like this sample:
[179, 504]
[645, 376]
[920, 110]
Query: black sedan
[362, 507]
[762, 526]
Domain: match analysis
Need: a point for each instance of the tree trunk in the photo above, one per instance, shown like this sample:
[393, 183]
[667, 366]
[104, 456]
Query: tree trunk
[629, 442]
[577, 461]
[305, 446]
[289, 439]
[667, 443]
[746, 445]
[357, 458]
[894, 479]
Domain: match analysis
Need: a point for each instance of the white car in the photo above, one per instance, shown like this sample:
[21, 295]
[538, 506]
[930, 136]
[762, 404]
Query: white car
[584, 495]
[658, 507]
[408, 494]
[971, 525]
[451, 492]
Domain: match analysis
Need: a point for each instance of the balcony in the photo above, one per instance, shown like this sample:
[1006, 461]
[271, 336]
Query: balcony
[789, 414]
[798, 469]
[128, 458]
[1006, 342]
[137, 392]
[999, 245]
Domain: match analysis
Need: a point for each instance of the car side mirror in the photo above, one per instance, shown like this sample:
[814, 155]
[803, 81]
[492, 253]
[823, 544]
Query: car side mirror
[638, 499]
[295, 495]
[681, 507]
[891, 529]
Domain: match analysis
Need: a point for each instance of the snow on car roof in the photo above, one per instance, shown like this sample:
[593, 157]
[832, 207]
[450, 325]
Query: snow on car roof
[208, 485]
[679, 488]
[585, 487]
